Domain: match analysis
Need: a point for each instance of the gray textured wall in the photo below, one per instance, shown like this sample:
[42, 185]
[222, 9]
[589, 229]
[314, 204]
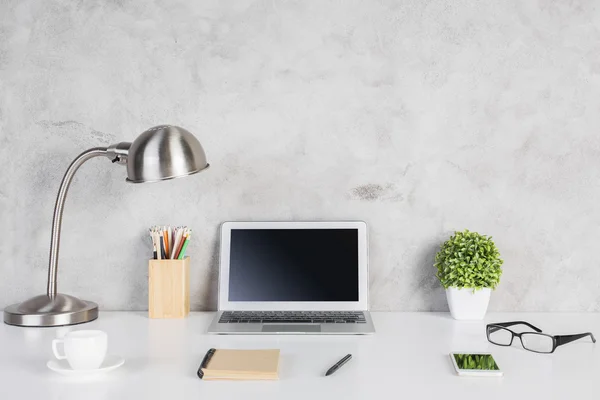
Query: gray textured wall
[419, 117]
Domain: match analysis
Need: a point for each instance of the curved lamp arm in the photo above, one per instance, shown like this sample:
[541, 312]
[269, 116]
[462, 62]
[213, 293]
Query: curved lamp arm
[117, 153]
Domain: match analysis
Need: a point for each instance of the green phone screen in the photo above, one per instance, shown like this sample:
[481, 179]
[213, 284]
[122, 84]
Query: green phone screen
[484, 362]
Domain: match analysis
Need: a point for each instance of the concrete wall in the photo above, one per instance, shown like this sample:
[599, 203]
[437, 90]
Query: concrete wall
[419, 117]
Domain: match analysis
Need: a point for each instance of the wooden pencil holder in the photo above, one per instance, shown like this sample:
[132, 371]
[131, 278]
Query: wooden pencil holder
[169, 288]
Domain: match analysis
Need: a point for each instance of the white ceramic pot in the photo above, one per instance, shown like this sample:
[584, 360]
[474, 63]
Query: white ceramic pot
[466, 304]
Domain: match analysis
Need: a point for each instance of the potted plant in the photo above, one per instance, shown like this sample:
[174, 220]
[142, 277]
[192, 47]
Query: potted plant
[468, 267]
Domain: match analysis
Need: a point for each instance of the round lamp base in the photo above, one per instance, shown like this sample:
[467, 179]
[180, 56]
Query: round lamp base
[43, 310]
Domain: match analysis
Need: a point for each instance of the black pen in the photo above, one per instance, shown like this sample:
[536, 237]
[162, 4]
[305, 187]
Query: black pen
[338, 365]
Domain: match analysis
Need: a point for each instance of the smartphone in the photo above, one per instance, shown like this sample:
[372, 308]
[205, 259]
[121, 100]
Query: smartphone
[475, 364]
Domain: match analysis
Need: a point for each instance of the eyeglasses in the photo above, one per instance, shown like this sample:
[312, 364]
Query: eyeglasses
[537, 341]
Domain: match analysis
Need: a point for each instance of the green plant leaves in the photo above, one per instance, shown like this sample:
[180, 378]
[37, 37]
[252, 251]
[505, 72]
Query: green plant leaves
[476, 361]
[469, 260]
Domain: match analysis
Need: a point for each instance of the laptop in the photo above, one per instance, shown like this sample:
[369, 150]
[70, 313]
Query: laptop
[293, 278]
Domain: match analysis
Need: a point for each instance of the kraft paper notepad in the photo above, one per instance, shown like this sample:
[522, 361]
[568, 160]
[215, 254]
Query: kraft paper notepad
[240, 365]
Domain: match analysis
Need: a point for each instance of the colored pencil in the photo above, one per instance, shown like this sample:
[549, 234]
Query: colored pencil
[184, 248]
[162, 247]
[153, 243]
[158, 245]
[181, 241]
[171, 240]
[166, 236]
[177, 243]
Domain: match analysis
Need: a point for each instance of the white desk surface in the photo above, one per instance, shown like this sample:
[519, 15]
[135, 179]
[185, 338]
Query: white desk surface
[407, 358]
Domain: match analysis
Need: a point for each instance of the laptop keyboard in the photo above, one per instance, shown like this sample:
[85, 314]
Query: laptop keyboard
[293, 317]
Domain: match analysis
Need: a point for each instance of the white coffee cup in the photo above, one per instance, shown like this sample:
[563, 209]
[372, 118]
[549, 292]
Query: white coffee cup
[83, 349]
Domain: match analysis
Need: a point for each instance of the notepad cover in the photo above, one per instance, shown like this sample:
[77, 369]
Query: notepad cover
[243, 364]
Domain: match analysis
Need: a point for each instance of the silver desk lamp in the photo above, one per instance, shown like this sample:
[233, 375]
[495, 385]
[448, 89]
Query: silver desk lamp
[162, 152]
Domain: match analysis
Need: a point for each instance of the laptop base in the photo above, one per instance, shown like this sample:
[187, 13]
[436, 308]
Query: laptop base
[366, 328]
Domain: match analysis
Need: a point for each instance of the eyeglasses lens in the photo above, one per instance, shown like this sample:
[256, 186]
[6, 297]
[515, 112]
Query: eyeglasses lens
[537, 342]
[499, 335]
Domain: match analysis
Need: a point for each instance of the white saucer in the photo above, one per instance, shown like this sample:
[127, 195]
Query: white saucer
[62, 366]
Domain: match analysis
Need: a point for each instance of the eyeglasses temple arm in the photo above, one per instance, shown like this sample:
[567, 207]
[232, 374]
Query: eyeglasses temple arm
[507, 324]
[564, 339]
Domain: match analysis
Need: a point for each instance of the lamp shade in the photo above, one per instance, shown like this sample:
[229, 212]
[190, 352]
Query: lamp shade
[164, 152]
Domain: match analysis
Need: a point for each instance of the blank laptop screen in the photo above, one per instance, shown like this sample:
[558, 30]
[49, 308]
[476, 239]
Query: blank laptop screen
[293, 265]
